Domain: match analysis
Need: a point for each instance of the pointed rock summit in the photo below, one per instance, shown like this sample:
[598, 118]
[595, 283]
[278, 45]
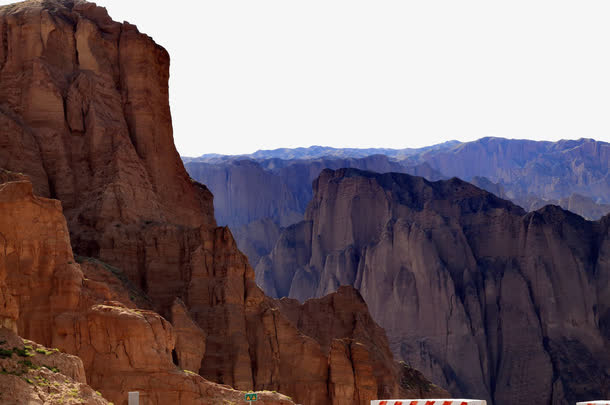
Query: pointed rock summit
[109, 251]
[486, 299]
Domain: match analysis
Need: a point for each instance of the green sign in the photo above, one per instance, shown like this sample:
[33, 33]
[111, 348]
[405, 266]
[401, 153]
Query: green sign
[251, 397]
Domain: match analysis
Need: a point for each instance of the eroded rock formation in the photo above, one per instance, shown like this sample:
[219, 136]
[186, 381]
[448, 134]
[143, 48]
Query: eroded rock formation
[275, 186]
[84, 107]
[489, 300]
[548, 170]
[256, 198]
[46, 297]
[35, 375]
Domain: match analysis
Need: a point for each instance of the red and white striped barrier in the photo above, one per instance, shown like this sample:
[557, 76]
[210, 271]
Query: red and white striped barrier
[429, 402]
[594, 403]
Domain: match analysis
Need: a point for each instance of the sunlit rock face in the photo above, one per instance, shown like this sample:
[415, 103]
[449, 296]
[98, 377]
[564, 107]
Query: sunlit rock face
[306, 350]
[488, 300]
[109, 251]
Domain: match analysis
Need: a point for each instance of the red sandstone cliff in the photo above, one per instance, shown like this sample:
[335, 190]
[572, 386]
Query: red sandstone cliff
[46, 296]
[35, 375]
[85, 117]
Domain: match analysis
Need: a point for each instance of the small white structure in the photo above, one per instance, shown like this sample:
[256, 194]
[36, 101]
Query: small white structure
[607, 402]
[134, 398]
[429, 402]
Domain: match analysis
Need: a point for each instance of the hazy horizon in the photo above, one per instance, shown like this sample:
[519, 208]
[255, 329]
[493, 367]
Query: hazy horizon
[247, 75]
[383, 147]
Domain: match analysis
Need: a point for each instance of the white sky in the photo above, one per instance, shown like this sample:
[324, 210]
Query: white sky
[248, 75]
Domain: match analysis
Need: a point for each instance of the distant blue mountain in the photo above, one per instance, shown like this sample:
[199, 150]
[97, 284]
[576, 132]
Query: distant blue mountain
[316, 152]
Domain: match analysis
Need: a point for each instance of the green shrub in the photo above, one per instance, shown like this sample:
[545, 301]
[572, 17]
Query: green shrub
[24, 352]
[29, 364]
[53, 369]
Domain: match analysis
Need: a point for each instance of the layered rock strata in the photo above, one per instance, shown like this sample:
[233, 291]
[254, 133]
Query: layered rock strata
[488, 300]
[252, 191]
[308, 351]
[46, 296]
[548, 170]
[36, 375]
[257, 198]
[84, 107]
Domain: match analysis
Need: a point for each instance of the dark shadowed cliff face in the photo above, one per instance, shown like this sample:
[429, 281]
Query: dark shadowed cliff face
[85, 117]
[489, 300]
[250, 196]
[276, 185]
[247, 190]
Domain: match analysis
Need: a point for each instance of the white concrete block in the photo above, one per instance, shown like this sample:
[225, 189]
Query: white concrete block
[134, 398]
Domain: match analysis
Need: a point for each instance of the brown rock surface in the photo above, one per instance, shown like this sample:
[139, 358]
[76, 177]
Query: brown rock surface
[35, 375]
[86, 107]
[124, 348]
[108, 155]
[484, 298]
[190, 339]
[46, 296]
[361, 366]
[39, 276]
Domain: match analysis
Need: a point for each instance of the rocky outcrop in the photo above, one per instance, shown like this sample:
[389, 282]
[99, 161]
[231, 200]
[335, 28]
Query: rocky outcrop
[86, 117]
[276, 185]
[85, 103]
[489, 300]
[259, 343]
[46, 297]
[38, 275]
[360, 359]
[234, 185]
[257, 198]
[190, 339]
[36, 375]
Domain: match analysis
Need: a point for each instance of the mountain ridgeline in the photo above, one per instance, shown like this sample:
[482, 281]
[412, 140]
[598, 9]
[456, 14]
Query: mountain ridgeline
[485, 298]
[261, 193]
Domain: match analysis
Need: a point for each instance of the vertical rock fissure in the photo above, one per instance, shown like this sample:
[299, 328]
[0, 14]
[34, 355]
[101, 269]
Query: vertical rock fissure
[277, 342]
[4, 44]
[545, 339]
[351, 362]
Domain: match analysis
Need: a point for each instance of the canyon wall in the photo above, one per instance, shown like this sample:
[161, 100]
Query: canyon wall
[110, 251]
[257, 198]
[274, 187]
[486, 299]
[549, 170]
